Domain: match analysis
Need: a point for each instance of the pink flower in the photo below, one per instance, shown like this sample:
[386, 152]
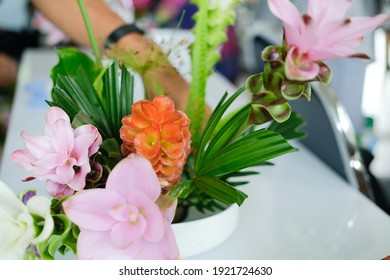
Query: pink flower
[142, 4]
[123, 220]
[321, 34]
[61, 156]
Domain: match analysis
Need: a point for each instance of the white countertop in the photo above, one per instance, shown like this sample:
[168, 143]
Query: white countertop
[297, 209]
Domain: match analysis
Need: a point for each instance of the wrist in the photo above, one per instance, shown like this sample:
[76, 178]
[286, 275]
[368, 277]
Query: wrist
[122, 31]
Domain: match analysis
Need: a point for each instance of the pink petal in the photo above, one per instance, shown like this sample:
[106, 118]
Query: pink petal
[81, 148]
[165, 249]
[89, 209]
[125, 233]
[356, 28]
[63, 138]
[286, 11]
[58, 190]
[54, 114]
[37, 145]
[92, 245]
[302, 70]
[78, 181]
[50, 161]
[326, 11]
[167, 205]
[89, 129]
[24, 159]
[153, 216]
[121, 212]
[134, 173]
[65, 172]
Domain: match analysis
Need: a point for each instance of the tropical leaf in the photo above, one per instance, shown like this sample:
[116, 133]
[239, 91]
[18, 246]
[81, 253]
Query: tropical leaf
[250, 150]
[227, 132]
[76, 95]
[70, 60]
[211, 125]
[219, 190]
[183, 189]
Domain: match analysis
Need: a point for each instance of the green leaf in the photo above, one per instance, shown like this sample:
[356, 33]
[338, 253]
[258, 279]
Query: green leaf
[249, 150]
[62, 239]
[112, 147]
[81, 119]
[126, 93]
[227, 132]
[182, 190]
[81, 91]
[64, 101]
[212, 124]
[70, 60]
[117, 97]
[219, 190]
[290, 128]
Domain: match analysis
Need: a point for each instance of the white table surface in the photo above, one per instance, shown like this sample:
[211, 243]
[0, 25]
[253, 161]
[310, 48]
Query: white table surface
[297, 209]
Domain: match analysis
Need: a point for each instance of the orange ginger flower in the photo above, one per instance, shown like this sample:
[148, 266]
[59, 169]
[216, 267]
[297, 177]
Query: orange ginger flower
[158, 132]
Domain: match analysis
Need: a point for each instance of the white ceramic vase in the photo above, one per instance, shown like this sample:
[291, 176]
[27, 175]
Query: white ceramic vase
[200, 233]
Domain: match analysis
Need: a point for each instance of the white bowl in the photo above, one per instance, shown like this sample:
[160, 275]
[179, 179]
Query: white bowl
[203, 233]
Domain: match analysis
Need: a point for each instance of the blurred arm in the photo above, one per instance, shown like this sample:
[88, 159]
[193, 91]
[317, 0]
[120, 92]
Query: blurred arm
[66, 15]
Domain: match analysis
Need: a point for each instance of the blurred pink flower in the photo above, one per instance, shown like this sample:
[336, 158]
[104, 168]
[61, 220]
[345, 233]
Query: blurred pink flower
[320, 34]
[123, 220]
[61, 156]
[142, 4]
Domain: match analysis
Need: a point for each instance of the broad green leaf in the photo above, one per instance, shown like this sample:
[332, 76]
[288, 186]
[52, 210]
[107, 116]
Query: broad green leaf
[70, 60]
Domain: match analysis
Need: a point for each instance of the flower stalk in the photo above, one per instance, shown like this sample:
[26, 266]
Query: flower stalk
[90, 32]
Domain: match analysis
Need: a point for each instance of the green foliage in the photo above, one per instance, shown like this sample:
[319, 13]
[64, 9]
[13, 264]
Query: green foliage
[70, 60]
[75, 77]
[64, 236]
[226, 148]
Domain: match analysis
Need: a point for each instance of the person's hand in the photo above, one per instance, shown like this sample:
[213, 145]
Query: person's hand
[8, 70]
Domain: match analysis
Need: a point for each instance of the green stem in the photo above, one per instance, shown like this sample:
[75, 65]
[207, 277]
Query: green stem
[91, 35]
[196, 105]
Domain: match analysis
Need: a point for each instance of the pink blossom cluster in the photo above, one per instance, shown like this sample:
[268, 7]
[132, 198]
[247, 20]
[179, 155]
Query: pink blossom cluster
[61, 156]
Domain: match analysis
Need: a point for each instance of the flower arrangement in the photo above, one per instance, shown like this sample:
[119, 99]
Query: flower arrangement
[117, 171]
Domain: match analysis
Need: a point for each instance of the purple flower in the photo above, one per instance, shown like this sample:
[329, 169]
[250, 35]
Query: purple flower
[61, 156]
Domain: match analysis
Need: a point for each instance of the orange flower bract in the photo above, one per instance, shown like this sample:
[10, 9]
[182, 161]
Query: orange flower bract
[158, 132]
